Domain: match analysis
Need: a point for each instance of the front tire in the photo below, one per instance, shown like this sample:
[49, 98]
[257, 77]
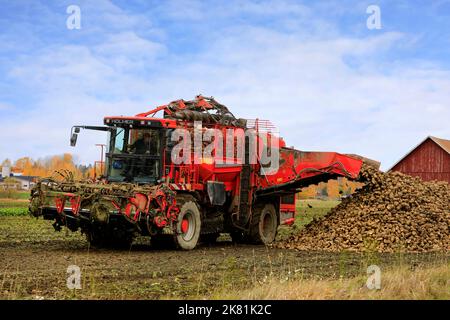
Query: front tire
[188, 226]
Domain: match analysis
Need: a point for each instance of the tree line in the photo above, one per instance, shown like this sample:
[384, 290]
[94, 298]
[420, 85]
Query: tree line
[46, 167]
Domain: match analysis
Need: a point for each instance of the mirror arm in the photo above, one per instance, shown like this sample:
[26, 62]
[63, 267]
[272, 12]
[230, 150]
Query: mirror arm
[76, 129]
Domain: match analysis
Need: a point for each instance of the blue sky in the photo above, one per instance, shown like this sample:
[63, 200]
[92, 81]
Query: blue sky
[312, 67]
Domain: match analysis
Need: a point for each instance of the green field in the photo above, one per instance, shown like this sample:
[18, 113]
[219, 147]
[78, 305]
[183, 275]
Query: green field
[11, 194]
[312, 208]
[307, 210]
[13, 211]
[14, 207]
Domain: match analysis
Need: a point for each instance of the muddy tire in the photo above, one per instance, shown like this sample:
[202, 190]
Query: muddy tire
[264, 224]
[187, 231]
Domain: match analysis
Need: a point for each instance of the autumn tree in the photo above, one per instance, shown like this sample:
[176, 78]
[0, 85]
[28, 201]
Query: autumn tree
[22, 163]
[46, 167]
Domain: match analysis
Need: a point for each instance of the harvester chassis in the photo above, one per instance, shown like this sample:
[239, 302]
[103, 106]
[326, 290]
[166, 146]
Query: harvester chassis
[184, 203]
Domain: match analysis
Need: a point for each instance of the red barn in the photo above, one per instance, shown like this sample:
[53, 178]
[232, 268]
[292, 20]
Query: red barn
[430, 160]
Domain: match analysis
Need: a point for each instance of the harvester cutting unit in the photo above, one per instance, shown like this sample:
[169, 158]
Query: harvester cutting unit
[186, 177]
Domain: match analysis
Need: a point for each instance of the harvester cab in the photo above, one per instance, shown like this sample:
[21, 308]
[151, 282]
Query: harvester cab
[134, 150]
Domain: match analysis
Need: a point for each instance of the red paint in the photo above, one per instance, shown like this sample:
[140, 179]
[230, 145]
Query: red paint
[428, 161]
[59, 202]
[75, 204]
[160, 222]
[184, 225]
[289, 221]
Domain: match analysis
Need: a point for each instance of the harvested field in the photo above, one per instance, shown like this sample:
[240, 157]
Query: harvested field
[34, 260]
[392, 213]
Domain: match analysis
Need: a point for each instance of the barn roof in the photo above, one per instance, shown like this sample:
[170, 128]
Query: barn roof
[25, 178]
[443, 143]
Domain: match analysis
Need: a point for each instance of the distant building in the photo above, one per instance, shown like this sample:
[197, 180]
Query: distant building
[6, 183]
[26, 182]
[6, 172]
[430, 160]
[20, 181]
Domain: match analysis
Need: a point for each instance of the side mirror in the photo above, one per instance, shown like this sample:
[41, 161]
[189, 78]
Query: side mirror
[73, 139]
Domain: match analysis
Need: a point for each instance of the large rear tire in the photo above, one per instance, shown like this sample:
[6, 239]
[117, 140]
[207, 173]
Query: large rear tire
[188, 225]
[264, 224]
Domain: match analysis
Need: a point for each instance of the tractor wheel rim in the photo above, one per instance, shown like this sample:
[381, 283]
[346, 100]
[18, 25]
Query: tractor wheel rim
[184, 225]
[188, 226]
[267, 224]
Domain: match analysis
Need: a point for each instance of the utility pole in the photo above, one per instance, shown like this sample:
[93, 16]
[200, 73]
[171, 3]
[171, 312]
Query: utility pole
[102, 146]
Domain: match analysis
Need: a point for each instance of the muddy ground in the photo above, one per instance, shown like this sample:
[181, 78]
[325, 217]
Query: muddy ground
[34, 260]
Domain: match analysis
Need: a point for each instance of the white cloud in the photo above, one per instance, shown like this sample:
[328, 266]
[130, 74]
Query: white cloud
[302, 82]
[201, 10]
[107, 17]
[127, 51]
[5, 106]
[317, 100]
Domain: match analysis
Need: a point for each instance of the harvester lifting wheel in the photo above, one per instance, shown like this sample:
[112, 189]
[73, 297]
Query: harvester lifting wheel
[188, 226]
[264, 224]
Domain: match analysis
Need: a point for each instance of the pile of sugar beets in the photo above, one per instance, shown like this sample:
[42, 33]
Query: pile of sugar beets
[393, 212]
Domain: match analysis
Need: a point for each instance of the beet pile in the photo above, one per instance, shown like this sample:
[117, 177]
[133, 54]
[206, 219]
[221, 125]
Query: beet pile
[393, 212]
